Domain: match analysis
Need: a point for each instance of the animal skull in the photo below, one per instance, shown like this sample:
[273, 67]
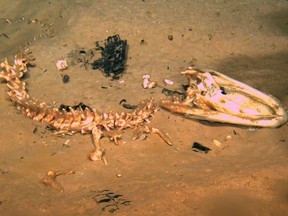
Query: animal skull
[215, 97]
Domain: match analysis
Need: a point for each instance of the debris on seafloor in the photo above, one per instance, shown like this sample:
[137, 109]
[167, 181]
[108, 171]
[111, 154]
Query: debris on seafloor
[83, 56]
[113, 56]
[169, 92]
[147, 84]
[111, 200]
[197, 147]
[65, 78]
[127, 106]
[110, 57]
[170, 37]
[50, 179]
[61, 64]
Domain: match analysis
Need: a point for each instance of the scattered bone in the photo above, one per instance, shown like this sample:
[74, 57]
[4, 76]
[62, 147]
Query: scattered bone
[50, 179]
[217, 143]
[8, 21]
[33, 21]
[62, 64]
[152, 84]
[228, 137]
[66, 143]
[160, 133]
[168, 82]
[147, 84]
[146, 76]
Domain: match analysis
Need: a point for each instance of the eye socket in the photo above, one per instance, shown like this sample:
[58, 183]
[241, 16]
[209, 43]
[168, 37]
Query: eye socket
[223, 90]
[198, 80]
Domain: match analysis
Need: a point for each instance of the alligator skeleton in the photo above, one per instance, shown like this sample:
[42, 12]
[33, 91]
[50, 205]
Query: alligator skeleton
[76, 120]
[210, 96]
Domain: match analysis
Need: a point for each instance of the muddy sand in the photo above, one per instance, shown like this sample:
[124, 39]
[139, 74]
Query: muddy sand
[246, 175]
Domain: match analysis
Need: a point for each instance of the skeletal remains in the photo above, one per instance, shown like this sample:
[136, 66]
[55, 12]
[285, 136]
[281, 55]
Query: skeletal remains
[210, 96]
[76, 120]
[215, 97]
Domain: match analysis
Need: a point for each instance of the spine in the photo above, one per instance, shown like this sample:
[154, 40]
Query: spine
[73, 120]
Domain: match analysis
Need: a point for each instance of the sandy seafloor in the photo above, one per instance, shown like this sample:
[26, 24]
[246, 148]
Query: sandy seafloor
[247, 175]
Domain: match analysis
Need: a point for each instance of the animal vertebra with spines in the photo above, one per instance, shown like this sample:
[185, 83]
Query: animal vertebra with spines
[76, 120]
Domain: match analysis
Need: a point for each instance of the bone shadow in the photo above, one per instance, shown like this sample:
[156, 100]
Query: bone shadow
[276, 22]
[268, 73]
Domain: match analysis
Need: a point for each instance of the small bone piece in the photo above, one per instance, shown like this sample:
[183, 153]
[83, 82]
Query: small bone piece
[152, 84]
[62, 64]
[50, 179]
[154, 130]
[162, 135]
[114, 136]
[217, 143]
[146, 78]
[147, 84]
[228, 137]
[168, 82]
[66, 143]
